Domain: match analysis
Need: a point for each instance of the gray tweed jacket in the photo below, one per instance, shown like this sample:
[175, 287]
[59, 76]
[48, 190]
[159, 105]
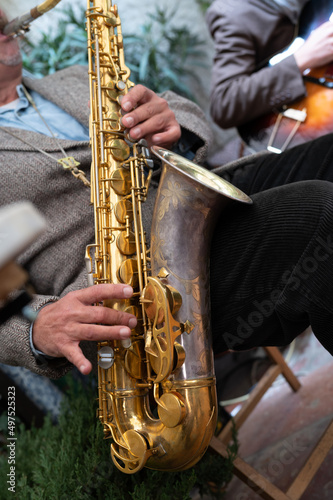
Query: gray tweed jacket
[55, 261]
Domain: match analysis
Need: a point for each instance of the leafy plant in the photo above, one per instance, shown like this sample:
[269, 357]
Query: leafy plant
[71, 460]
[162, 57]
[58, 49]
[204, 4]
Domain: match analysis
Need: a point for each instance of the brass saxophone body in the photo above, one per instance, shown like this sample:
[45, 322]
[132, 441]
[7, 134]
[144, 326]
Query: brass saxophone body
[157, 397]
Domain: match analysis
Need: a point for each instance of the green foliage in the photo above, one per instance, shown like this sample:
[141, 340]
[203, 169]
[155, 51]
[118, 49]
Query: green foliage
[71, 460]
[59, 49]
[162, 57]
[214, 472]
[204, 4]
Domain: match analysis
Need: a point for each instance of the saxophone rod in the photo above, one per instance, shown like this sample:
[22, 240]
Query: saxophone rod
[21, 23]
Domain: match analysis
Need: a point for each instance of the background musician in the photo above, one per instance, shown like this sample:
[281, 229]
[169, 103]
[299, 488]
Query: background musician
[247, 33]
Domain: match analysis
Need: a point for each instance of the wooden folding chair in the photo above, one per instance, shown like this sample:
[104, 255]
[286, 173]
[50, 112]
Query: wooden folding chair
[257, 482]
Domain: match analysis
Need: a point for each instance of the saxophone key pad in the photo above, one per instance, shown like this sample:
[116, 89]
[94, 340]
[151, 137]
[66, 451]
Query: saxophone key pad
[105, 357]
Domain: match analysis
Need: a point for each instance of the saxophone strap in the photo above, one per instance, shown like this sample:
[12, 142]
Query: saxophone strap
[67, 162]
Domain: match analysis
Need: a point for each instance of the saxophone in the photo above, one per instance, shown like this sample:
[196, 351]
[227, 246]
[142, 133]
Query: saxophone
[156, 392]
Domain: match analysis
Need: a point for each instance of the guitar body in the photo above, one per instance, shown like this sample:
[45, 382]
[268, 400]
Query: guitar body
[319, 117]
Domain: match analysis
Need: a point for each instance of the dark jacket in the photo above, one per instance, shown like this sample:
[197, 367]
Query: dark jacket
[246, 34]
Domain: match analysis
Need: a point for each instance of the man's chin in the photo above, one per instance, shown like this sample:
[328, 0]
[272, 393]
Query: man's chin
[10, 54]
[11, 60]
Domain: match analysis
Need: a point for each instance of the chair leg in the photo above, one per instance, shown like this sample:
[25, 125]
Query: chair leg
[276, 357]
[313, 463]
[254, 397]
[263, 487]
[279, 367]
[258, 483]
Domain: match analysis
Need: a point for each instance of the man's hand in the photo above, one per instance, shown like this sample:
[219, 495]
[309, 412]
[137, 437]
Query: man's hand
[317, 50]
[149, 116]
[60, 326]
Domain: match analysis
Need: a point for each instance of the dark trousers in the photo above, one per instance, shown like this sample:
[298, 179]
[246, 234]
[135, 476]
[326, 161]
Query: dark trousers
[272, 262]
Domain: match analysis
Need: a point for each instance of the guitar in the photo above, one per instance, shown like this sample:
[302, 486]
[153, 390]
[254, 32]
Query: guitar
[305, 119]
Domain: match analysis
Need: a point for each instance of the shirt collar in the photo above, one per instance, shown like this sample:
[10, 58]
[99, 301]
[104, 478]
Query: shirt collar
[20, 103]
[23, 101]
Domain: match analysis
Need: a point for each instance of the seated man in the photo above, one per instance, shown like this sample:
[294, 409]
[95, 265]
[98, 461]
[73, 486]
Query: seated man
[42, 121]
[271, 263]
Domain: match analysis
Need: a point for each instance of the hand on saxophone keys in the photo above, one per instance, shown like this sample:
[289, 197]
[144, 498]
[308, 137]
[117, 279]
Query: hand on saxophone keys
[149, 116]
[62, 325]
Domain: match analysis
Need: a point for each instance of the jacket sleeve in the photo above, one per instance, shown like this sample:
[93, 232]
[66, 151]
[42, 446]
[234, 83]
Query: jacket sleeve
[240, 91]
[15, 344]
[15, 337]
[196, 130]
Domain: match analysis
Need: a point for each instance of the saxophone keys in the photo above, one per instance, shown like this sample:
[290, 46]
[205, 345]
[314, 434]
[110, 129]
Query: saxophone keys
[128, 273]
[120, 149]
[121, 181]
[179, 356]
[126, 343]
[105, 357]
[146, 301]
[112, 94]
[187, 326]
[126, 244]
[113, 119]
[111, 20]
[174, 299]
[137, 312]
[132, 456]
[136, 442]
[123, 209]
[121, 85]
[163, 273]
[149, 299]
[158, 361]
[155, 357]
[114, 89]
[134, 361]
[171, 409]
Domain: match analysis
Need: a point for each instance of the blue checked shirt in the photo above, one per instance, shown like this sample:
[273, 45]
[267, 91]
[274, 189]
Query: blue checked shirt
[21, 114]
